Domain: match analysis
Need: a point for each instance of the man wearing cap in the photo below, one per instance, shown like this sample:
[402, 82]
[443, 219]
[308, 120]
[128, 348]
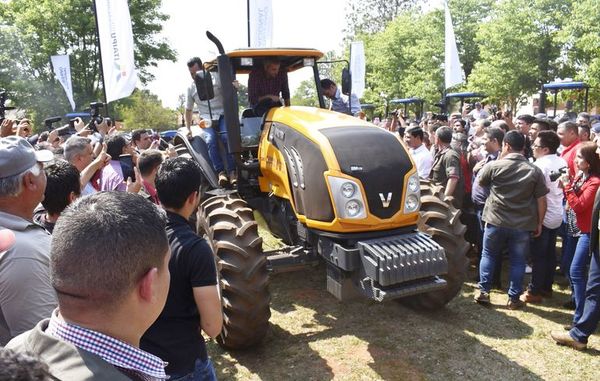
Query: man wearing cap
[26, 295]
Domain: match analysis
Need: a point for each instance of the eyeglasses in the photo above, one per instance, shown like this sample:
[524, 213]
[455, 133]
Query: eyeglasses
[537, 146]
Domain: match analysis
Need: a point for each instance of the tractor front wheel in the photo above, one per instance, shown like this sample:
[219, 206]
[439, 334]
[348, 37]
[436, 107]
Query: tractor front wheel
[441, 221]
[233, 234]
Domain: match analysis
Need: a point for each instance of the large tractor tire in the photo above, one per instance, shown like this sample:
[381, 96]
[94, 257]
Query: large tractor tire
[233, 234]
[440, 219]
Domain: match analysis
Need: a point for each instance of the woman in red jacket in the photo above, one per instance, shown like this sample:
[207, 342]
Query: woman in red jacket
[580, 194]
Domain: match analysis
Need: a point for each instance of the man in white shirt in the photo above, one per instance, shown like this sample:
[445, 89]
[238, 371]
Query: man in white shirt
[543, 248]
[479, 112]
[413, 137]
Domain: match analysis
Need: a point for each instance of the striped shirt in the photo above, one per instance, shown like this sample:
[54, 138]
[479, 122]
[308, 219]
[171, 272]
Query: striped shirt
[127, 358]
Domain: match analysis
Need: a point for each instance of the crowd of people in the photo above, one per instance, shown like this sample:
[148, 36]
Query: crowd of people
[521, 184]
[102, 275]
[96, 279]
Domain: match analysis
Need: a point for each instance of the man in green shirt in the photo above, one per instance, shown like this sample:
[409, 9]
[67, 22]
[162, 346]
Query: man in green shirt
[514, 209]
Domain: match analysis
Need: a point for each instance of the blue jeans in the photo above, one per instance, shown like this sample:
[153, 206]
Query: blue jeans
[495, 239]
[543, 256]
[203, 371]
[569, 246]
[590, 316]
[210, 137]
[578, 273]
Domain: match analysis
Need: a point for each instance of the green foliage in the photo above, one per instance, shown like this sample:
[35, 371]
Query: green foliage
[406, 60]
[146, 111]
[306, 94]
[371, 16]
[581, 37]
[466, 18]
[507, 48]
[33, 30]
[518, 49]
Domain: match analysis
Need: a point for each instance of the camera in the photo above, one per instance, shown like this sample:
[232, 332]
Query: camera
[554, 175]
[48, 122]
[96, 118]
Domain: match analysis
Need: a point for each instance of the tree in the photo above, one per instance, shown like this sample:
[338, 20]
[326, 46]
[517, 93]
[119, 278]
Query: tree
[372, 16]
[146, 111]
[33, 30]
[306, 94]
[406, 59]
[581, 41]
[467, 15]
[518, 49]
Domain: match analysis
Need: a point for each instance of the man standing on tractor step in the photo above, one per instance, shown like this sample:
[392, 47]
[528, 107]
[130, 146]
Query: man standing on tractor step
[215, 115]
[193, 302]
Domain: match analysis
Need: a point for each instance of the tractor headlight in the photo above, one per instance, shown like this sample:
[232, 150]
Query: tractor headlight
[413, 184]
[348, 189]
[353, 208]
[412, 200]
[411, 204]
[347, 198]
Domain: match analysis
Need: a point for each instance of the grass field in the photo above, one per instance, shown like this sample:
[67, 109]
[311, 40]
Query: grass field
[315, 337]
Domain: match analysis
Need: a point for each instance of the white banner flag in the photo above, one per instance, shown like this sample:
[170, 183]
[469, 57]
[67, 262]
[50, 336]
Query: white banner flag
[261, 23]
[116, 42]
[62, 69]
[357, 68]
[452, 69]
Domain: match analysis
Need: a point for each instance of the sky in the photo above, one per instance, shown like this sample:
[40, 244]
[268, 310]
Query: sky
[305, 24]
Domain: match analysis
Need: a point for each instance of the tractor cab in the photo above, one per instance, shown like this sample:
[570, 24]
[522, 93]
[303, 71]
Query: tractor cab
[556, 87]
[413, 104]
[451, 100]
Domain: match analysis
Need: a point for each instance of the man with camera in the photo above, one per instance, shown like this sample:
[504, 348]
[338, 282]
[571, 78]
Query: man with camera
[26, 295]
[211, 111]
[543, 247]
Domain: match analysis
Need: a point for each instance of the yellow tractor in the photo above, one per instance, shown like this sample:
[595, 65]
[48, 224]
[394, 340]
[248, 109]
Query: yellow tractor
[333, 188]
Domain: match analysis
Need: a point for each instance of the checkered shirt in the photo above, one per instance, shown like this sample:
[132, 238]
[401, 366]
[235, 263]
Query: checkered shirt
[127, 358]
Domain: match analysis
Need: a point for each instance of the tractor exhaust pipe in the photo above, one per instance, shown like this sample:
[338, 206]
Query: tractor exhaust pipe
[215, 41]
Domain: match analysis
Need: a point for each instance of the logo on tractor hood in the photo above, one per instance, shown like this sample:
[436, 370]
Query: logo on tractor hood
[386, 201]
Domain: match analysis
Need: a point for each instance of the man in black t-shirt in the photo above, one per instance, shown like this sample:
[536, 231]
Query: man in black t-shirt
[62, 188]
[193, 302]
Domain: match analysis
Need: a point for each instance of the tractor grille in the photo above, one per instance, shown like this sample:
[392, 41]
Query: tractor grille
[402, 258]
[377, 159]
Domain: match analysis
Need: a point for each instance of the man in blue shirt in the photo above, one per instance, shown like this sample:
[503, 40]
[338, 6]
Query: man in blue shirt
[339, 101]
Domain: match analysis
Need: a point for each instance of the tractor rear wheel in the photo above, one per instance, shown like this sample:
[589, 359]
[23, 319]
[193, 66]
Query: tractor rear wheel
[440, 219]
[233, 234]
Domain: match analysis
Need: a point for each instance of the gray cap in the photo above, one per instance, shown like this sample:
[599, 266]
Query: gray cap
[17, 156]
[596, 128]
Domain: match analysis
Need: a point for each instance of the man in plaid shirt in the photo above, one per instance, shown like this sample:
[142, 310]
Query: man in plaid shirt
[265, 84]
[109, 268]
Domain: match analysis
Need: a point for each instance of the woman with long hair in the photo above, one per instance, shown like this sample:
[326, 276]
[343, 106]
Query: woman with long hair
[580, 194]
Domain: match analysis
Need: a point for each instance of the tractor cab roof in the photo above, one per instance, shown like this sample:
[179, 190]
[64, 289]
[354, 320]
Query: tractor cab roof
[244, 60]
[465, 95]
[556, 86]
[407, 100]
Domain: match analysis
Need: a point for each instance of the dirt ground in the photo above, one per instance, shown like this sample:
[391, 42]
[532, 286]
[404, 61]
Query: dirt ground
[315, 337]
